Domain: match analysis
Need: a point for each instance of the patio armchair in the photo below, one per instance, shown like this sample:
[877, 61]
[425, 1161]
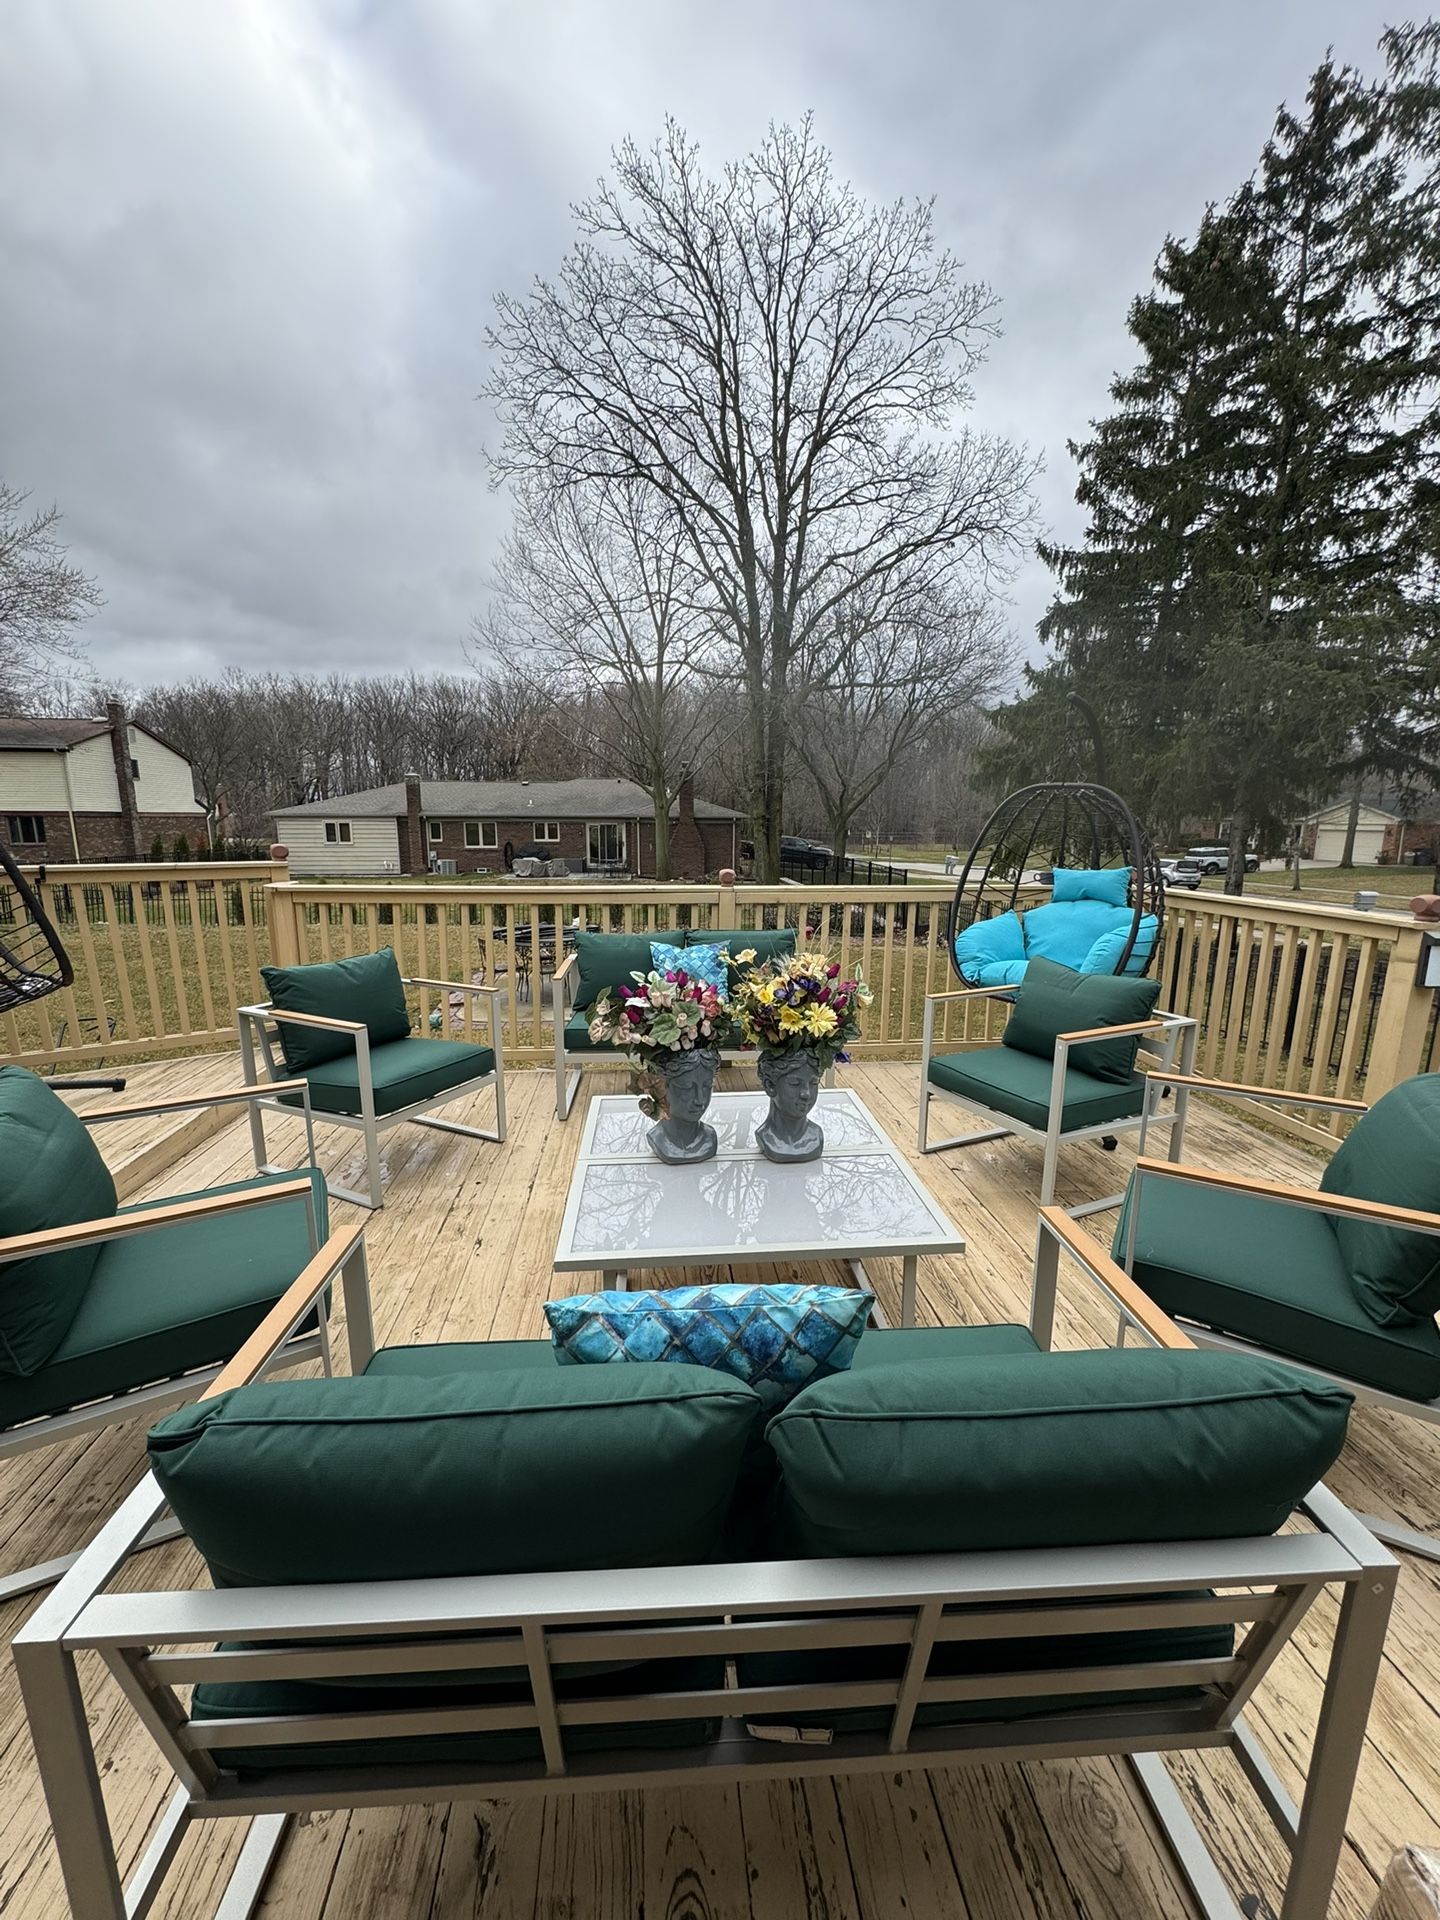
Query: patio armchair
[1344, 1281]
[1065, 1069]
[109, 1312]
[343, 1028]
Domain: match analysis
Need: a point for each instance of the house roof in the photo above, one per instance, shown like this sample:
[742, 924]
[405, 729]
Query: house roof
[44, 733]
[501, 800]
[1340, 808]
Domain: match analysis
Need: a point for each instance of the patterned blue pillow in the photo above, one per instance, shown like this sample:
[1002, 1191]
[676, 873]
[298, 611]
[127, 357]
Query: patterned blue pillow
[701, 963]
[776, 1338]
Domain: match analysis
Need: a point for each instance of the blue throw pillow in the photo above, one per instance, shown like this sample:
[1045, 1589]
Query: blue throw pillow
[1104, 956]
[775, 1338]
[1108, 884]
[701, 963]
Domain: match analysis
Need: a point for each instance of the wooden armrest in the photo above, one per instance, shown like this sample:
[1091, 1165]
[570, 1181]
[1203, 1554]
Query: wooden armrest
[285, 1018]
[1240, 1089]
[1376, 1211]
[289, 1309]
[570, 960]
[449, 986]
[84, 1233]
[968, 993]
[1115, 1033]
[226, 1096]
[1114, 1279]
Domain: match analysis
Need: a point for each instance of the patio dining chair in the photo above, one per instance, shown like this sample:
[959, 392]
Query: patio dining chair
[108, 1312]
[343, 1028]
[1064, 1068]
[1344, 1281]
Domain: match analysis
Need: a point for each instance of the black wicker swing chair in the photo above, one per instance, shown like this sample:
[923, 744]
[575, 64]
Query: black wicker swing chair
[1082, 837]
[33, 960]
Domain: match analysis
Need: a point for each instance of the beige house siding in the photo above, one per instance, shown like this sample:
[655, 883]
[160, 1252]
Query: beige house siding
[374, 846]
[35, 782]
[1329, 835]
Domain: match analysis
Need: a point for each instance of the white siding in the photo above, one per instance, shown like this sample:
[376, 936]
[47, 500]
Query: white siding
[166, 784]
[374, 846]
[32, 783]
[92, 777]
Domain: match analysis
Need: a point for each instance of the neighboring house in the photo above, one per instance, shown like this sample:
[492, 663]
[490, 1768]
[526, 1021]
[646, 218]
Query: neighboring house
[92, 789]
[595, 826]
[1415, 841]
[1322, 834]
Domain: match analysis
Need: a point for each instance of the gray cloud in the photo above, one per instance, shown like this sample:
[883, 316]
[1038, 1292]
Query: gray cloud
[247, 253]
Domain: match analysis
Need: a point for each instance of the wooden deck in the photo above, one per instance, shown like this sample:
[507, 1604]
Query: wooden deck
[461, 1251]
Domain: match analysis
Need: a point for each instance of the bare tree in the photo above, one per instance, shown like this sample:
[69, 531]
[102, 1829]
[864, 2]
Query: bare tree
[783, 363]
[42, 599]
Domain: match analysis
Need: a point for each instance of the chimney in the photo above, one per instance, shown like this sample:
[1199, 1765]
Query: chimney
[124, 779]
[687, 845]
[412, 847]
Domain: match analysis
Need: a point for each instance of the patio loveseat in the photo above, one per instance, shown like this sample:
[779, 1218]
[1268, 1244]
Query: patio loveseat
[970, 1549]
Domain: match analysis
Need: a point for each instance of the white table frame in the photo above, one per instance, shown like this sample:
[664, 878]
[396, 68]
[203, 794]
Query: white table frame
[907, 1248]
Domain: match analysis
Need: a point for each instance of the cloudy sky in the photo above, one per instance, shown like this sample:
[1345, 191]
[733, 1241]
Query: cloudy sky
[248, 249]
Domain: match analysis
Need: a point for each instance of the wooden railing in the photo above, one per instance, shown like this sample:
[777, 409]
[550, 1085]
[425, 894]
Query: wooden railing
[1288, 993]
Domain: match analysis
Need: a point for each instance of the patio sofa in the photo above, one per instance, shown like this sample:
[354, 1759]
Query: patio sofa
[602, 962]
[964, 1549]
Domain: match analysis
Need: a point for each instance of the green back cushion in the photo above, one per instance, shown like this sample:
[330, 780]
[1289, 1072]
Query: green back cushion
[607, 960]
[51, 1175]
[365, 988]
[1058, 1449]
[464, 1473]
[1393, 1154]
[1052, 999]
[772, 943]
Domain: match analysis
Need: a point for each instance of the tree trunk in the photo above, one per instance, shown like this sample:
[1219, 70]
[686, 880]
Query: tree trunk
[1352, 826]
[661, 801]
[1235, 866]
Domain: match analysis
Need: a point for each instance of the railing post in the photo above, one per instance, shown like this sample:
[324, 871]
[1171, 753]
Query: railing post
[282, 911]
[1403, 1019]
[725, 901]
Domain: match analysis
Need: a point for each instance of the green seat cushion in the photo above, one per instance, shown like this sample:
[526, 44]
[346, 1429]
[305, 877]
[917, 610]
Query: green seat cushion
[1018, 1084]
[1393, 1155]
[463, 1356]
[461, 1473]
[1052, 1000]
[577, 1037]
[51, 1175]
[1273, 1275]
[1051, 1449]
[402, 1073]
[607, 960]
[897, 1346]
[366, 988]
[161, 1304]
[769, 943]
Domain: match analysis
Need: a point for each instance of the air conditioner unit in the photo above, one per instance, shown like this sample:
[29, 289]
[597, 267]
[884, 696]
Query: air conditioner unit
[446, 866]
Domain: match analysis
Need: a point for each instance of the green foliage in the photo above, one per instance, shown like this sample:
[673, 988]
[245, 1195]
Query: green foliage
[182, 847]
[157, 847]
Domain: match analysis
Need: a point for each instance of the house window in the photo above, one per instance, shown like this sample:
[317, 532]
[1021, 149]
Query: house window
[134, 769]
[547, 830]
[481, 833]
[337, 833]
[605, 843]
[437, 830]
[27, 829]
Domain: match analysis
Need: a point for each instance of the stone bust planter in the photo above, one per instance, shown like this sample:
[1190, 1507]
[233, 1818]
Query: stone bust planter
[681, 1134]
[789, 1132]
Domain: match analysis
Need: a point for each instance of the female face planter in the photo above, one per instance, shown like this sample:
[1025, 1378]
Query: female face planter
[681, 1134]
[788, 1132]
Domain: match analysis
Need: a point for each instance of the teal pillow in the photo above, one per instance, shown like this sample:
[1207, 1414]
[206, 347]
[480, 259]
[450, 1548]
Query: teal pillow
[705, 963]
[1108, 884]
[420, 1476]
[51, 1175]
[366, 988]
[1104, 956]
[1049, 1450]
[1392, 1154]
[775, 1337]
[1052, 999]
[991, 953]
[606, 961]
[769, 943]
[1067, 930]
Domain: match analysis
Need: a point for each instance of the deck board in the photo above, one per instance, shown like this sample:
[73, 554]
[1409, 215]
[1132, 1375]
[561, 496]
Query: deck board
[462, 1251]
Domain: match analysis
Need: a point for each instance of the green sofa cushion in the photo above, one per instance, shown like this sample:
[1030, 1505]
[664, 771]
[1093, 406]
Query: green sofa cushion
[1054, 1449]
[366, 987]
[770, 943]
[1393, 1154]
[161, 1304]
[1007, 1081]
[402, 1072]
[1273, 1275]
[405, 1478]
[1052, 999]
[51, 1175]
[607, 960]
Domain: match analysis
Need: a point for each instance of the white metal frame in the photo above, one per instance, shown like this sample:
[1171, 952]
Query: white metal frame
[542, 1623]
[50, 1429]
[1179, 1031]
[255, 1024]
[1392, 1532]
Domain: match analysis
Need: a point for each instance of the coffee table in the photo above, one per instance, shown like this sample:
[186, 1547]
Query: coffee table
[627, 1210]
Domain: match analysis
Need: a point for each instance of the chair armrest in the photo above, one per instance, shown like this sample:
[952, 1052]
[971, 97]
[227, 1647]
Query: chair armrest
[1112, 1279]
[85, 1233]
[292, 1306]
[570, 960]
[449, 986]
[1114, 1033]
[968, 993]
[285, 1018]
[226, 1096]
[1240, 1090]
[1378, 1212]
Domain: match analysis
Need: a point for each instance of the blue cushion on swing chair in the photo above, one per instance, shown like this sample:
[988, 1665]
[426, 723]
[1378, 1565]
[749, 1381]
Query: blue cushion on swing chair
[991, 953]
[1104, 956]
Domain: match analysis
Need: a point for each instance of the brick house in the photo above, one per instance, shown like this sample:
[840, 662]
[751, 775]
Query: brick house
[92, 789]
[595, 826]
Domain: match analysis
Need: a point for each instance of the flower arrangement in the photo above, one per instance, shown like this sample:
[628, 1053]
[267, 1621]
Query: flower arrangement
[663, 1012]
[800, 1004]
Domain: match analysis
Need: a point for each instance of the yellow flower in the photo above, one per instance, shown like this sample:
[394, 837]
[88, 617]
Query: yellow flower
[744, 959]
[791, 1019]
[821, 1020]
